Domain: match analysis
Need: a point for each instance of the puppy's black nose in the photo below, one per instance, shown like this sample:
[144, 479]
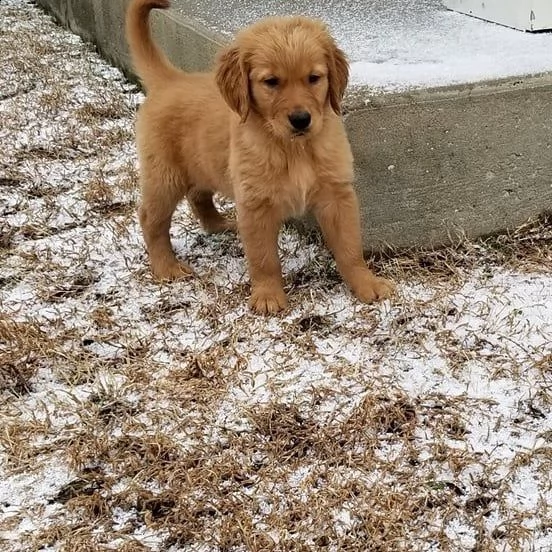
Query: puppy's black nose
[300, 120]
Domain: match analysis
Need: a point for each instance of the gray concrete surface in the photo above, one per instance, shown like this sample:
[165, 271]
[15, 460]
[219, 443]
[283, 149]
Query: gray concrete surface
[432, 162]
[434, 165]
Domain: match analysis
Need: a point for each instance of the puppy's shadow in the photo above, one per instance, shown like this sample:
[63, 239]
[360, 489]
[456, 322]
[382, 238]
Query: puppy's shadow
[215, 247]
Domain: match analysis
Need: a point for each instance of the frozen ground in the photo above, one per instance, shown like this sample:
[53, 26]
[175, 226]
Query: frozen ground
[140, 417]
[397, 45]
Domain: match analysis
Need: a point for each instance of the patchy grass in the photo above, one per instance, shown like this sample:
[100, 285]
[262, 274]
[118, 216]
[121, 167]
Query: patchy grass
[138, 416]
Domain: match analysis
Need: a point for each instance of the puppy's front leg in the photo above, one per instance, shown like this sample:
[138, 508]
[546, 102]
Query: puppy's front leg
[336, 210]
[259, 228]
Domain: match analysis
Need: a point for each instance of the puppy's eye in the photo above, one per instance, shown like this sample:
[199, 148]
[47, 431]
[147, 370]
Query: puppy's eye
[314, 78]
[272, 82]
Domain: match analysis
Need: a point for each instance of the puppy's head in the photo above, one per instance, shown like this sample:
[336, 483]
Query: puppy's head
[286, 71]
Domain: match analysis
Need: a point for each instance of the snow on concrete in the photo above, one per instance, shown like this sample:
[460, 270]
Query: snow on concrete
[398, 45]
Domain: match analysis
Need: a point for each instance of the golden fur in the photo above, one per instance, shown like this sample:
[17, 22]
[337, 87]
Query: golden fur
[244, 131]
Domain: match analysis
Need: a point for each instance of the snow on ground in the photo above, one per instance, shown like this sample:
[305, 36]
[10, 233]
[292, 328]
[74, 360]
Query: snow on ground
[139, 416]
[398, 45]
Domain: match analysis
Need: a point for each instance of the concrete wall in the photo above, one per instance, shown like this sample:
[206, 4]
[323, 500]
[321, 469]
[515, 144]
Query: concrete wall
[187, 43]
[431, 165]
[438, 164]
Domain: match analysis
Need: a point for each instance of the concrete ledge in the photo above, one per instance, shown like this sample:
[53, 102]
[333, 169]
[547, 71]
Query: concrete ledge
[187, 43]
[431, 164]
[437, 164]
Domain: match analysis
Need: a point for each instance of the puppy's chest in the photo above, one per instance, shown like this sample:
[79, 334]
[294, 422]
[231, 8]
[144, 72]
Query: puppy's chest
[295, 184]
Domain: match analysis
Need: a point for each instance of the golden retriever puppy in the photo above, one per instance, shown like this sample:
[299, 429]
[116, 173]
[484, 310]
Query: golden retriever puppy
[263, 129]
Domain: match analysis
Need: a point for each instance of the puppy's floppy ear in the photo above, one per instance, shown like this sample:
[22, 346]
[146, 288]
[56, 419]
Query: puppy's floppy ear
[232, 80]
[338, 76]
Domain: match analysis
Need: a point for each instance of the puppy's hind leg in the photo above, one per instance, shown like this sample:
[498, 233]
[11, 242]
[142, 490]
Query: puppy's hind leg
[201, 202]
[161, 192]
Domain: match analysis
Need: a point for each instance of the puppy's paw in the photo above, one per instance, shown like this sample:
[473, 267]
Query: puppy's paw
[265, 300]
[170, 271]
[369, 288]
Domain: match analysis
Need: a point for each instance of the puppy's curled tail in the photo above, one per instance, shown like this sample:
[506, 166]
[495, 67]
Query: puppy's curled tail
[150, 63]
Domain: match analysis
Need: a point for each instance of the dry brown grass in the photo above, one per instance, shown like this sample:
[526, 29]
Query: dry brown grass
[525, 249]
[24, 344]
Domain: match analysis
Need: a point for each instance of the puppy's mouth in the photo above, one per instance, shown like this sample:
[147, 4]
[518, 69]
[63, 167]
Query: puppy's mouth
[298, 133]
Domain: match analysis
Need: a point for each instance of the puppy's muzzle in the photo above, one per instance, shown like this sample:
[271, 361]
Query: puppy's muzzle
[300, 120]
